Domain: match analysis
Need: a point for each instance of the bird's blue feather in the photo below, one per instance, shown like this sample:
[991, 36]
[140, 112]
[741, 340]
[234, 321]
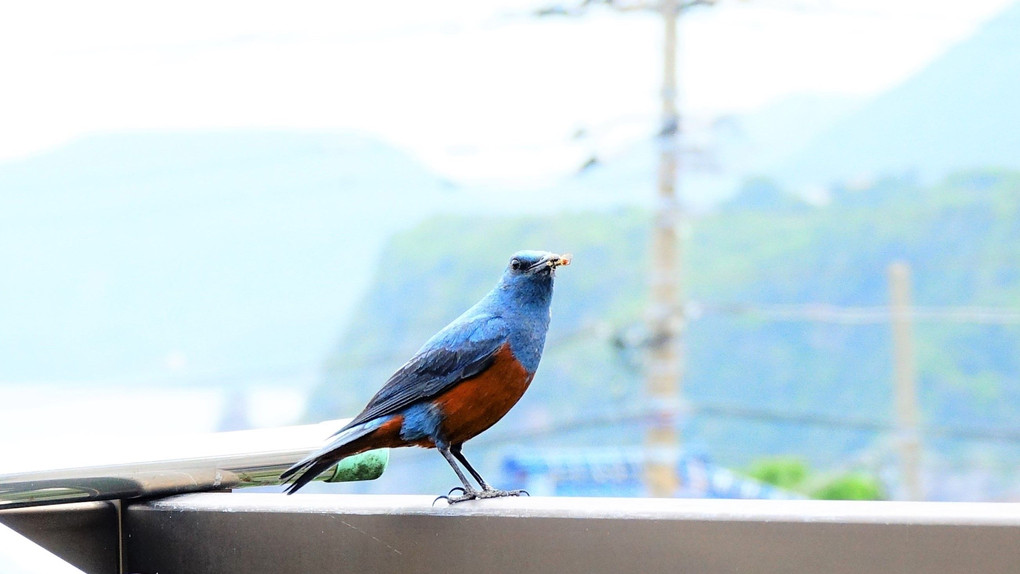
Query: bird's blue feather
[421, 421]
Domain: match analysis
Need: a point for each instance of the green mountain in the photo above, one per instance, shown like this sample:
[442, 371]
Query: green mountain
[962, 239]
[957, 113]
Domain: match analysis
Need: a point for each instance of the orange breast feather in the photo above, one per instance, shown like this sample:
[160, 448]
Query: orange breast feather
[476, 404]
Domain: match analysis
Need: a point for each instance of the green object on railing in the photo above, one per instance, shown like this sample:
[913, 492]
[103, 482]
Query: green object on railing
[365, 466]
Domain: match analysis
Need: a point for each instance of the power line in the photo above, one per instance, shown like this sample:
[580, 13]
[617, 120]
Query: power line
[857, 315]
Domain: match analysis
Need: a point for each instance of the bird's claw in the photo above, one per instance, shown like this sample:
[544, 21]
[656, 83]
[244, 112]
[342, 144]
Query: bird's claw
[466, 494]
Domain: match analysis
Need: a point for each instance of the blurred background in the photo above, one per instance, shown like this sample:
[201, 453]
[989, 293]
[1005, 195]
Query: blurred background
[796, 230]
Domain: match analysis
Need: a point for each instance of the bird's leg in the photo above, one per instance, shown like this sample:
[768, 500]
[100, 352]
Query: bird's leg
[469, 491]
[487, 491]
[456, 450]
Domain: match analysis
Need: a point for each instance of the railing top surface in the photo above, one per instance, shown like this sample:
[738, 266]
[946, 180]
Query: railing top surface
[820, 511]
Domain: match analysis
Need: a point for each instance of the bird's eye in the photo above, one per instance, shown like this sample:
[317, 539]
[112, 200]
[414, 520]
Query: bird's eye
[515, 264]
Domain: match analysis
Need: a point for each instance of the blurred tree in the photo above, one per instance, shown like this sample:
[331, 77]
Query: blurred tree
[851, 486]
[783, 472]
[792, 473]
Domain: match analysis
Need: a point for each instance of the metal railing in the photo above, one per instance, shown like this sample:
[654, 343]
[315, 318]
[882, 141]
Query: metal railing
[126, 522]
[254, 532]
[76, 513]
[177, 465]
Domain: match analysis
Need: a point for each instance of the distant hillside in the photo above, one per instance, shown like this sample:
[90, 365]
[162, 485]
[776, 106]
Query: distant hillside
[756, 141]
[147, 254]
[962, 239]
[960, 112]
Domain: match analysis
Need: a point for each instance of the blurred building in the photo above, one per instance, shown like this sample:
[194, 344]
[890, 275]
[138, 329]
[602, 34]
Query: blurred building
[619, 472]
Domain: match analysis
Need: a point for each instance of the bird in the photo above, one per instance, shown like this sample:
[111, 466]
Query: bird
[461, 382]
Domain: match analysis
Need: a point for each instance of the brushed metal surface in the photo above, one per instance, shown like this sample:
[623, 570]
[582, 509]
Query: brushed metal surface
[333, 533]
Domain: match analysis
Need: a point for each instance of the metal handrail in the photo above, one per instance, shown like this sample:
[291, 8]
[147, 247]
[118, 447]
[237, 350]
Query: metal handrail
[175, 465]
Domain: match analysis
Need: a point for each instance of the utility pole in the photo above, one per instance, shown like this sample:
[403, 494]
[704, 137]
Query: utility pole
[905, 378]
[665, 313]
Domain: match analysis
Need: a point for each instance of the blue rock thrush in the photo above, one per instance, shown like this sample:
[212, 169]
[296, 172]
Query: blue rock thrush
[460, 383]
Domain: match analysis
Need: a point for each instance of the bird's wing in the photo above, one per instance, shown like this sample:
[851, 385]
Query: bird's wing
[458, 352]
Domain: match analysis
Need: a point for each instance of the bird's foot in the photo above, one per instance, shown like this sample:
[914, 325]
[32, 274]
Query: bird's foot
[497, 493]
[472, 494]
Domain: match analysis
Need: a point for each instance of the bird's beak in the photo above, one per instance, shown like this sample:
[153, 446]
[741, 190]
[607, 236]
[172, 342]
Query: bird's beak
[555, 261]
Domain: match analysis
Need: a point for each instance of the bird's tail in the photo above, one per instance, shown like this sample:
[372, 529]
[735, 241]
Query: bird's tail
[345, 443]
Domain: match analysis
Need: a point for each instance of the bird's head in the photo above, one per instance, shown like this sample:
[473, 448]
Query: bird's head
[529, 275]
[535, 264]
[526, 287]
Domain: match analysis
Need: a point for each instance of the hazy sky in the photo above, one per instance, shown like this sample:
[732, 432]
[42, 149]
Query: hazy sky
[457, 83]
